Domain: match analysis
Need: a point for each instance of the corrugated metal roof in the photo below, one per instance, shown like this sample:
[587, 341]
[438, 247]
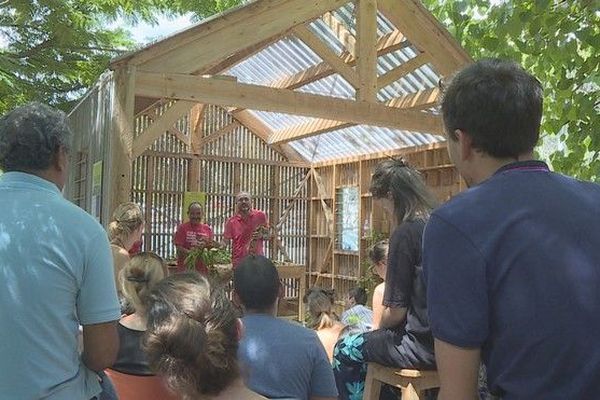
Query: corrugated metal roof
[290, 56]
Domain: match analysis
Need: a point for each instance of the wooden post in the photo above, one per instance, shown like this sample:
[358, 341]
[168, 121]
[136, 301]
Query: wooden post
[366, 22]
[121, 139]
[274, 217]
[194, 173]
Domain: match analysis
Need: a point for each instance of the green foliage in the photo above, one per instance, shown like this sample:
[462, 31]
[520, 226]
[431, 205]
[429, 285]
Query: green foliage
[208, 255]
[369, 279]
[57, 49]
[557, 41]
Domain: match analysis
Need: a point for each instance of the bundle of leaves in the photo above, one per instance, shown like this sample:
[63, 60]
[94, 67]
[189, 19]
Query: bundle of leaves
[210, 254]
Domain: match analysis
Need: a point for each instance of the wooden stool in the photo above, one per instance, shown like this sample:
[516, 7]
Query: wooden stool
[412, 382]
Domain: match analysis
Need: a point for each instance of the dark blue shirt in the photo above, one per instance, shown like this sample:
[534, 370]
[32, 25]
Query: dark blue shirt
[513, 266]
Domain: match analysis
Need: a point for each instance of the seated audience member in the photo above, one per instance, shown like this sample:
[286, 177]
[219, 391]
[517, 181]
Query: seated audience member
[192, 339]
[322, 317]
[192, 234]
[358, 317]
[404, 339]
[512, 265]
[124, 230]
[280, 359]
[137, 278]
[379, 255]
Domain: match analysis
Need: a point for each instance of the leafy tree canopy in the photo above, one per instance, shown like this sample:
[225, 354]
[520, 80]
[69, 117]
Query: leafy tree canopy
[558, 42]
[57, 48]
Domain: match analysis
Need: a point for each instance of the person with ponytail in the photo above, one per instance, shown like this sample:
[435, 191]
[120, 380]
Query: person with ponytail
[192, 339]
[404, 339]
[379, 255]
[124, 230]
[322, 317]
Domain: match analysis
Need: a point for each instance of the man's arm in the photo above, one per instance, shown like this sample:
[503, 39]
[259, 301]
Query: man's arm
[392, 317]
[458, 369]
[100, 345]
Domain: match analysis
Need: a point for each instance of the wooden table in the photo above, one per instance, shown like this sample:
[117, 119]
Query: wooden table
[293, 277]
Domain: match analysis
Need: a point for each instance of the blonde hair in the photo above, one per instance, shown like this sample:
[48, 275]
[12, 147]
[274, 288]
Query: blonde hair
[320, 307]
[125, 220]
[139, 276]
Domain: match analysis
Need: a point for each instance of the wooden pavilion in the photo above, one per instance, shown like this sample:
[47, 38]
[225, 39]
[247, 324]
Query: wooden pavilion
[294, 101]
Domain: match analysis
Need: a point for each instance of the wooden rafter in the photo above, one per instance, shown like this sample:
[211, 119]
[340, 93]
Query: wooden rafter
[341, 32]
[236, 30]
[160, 126]
[182, 137]
[386, 44]
[234, 94]
[219, 133]
[326, 54]
[400, 71]
[426, 33]
[416, 101]
[366, 22]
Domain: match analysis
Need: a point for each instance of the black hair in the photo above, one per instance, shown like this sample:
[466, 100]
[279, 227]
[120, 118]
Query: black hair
[498, 104]
[359, 294]
[256, 282]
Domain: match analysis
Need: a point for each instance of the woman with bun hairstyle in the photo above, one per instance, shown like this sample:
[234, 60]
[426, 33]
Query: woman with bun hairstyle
[322, 317]
[124, 230]
[131, 373]
[193, 337]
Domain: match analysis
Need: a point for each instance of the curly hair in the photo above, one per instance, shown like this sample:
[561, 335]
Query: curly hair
[31, 136]
[192, 336]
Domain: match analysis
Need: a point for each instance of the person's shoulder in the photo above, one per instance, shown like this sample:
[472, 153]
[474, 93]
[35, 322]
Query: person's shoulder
[77, 218]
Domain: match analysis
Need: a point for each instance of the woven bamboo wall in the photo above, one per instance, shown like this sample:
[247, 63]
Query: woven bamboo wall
[227, 164]
[340, 269]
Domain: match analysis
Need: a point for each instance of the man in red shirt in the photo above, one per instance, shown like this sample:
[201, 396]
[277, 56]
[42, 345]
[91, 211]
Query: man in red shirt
[247, 229]
[192, 234]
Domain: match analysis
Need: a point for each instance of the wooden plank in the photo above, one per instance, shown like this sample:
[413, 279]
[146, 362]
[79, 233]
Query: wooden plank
[423, 99]
[341, 32]
[121, 137]
[260, 129]
[419, 100]
[326, 54]
[207, 90]
[398, 72]
[386, 44]
[383, 154]
[237, 160]
[282, 218]
[234, 31]
[220, 133]
[185, 139]
[322, 195]
[160, 126]
[366, 23]
[426, 33]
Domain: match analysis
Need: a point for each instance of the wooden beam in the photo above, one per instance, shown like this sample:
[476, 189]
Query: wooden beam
[235, 58]
[386, 44]
[419, 100]
[426, 33]
[235, 160]
[366, 23]
[234, 31]
[403, 69]
[422, 99]
[182, 137]
[160, 126]
[121, 139]
[223, 93]
[219, 133]
[194, 173]
[326, 54]
[261, 130]
[341, 32]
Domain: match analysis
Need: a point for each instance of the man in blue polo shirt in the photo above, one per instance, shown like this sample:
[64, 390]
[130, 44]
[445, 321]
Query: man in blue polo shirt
[55, 268]
[512, 265]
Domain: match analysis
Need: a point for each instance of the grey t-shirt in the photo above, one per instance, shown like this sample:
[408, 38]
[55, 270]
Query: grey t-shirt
[284, 360]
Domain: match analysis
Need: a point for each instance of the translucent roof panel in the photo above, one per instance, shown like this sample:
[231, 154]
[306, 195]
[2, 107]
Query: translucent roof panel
[277, 121]
[333, 85]
[359, 140]
[283, 58]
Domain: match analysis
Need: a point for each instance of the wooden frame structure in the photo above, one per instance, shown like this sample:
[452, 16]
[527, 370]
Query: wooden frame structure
[180, 104]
